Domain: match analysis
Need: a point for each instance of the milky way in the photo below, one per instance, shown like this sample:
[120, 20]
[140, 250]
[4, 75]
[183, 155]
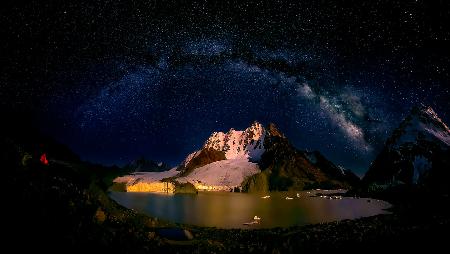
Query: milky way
[214, 88]
[117, 81]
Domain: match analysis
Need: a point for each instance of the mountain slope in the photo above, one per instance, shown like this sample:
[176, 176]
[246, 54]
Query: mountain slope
[418, 152]
[290, 169]
[200, 158]
[331, 170]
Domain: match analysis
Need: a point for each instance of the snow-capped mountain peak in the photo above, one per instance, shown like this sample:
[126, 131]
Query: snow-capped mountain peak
[248, 143]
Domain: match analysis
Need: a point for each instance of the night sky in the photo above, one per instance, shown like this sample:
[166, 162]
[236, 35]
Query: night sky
[115, 80]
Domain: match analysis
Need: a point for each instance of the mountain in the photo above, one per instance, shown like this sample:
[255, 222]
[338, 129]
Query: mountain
[260, 159]
[143, 165]
[286, 168]
[417, 153]
[256, 159]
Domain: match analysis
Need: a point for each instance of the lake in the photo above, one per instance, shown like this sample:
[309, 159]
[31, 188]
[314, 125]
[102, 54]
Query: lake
[231, 210]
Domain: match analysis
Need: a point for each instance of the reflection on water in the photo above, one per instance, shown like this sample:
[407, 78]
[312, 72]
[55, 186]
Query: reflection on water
[231, 210]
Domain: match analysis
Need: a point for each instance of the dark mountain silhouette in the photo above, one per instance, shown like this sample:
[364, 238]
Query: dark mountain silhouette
[417, 153]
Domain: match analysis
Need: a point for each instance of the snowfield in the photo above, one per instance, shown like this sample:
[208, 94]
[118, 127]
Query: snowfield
[230, 173]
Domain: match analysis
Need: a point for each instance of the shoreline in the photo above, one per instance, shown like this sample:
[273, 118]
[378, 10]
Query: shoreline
[365, 234]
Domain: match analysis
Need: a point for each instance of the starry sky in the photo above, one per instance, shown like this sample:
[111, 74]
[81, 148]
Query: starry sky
[115, 80]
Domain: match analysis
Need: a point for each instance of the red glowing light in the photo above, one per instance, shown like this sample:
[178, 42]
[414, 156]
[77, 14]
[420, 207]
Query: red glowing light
[44, 159]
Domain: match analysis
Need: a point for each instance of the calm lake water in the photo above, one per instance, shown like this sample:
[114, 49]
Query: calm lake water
[231, 210]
